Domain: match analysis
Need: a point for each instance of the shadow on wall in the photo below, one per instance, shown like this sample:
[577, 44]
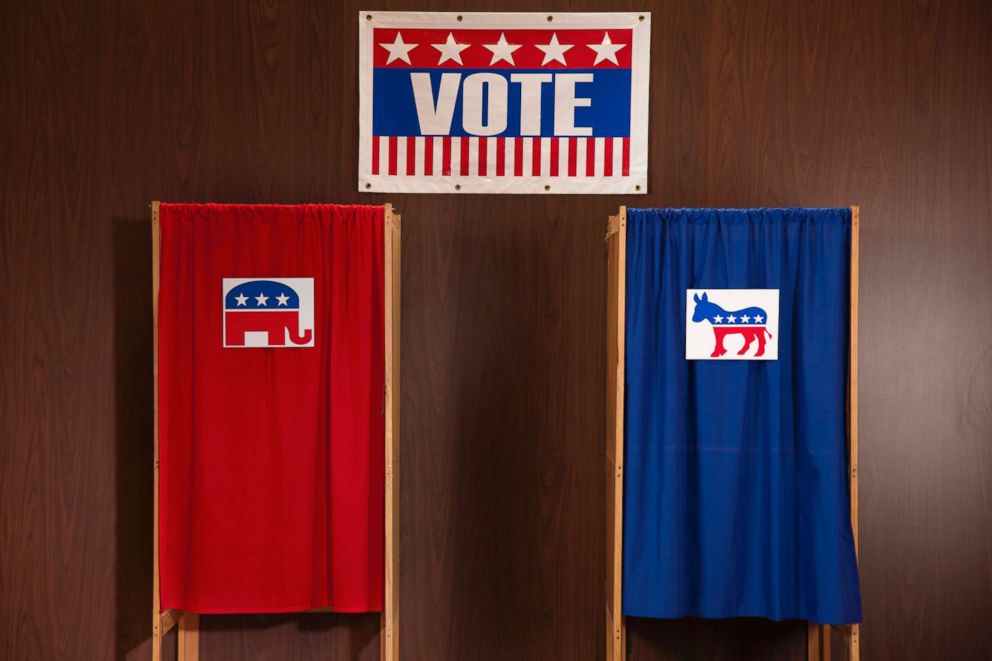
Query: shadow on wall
[133, 408]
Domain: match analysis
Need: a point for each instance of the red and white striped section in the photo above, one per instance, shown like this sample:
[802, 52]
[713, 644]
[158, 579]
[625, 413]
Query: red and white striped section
[442, 156]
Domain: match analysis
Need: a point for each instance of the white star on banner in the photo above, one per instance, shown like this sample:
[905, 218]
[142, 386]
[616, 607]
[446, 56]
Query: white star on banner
[242, 300]
[554, 51]
[450, 50]
[282, 298]
[606, 50]
[731, 318]
[745, 319]
[718, 319]
[502, 50]
[757, 318]
[398, 50]
[261, 298]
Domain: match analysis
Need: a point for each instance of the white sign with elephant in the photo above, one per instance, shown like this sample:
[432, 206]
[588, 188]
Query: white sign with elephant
[268, 312]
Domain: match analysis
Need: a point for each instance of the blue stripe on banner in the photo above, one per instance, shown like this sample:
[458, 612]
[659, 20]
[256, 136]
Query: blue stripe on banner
[395, 109]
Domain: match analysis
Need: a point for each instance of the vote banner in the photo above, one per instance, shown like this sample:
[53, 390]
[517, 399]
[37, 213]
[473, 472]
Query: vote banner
[503, 102]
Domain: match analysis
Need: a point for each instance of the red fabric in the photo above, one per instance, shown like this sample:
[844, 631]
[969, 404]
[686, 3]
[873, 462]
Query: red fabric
[271, 459]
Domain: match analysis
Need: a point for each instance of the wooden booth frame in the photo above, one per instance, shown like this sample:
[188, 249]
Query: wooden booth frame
[818, 636]
[188, 623]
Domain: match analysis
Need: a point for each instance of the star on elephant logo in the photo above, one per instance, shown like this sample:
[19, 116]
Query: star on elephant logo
[268, 312]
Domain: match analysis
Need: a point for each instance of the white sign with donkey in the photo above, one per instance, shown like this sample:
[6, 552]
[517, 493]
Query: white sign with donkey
[731, 324]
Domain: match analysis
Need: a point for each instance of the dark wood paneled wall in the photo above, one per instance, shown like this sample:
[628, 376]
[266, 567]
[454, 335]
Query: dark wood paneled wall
[106, 106]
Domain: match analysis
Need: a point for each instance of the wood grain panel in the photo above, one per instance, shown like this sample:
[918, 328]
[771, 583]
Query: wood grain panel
[502, 429]
[105, 106]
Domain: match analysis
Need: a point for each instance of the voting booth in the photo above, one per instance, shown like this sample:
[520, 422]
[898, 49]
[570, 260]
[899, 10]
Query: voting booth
[732, 445]
[276, 413]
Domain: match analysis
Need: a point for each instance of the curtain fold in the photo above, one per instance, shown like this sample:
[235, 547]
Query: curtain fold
[271, 459]
[735, 492]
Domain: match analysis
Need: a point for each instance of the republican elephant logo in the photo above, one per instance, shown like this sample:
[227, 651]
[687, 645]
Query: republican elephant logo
[268, 312]
[742, 322]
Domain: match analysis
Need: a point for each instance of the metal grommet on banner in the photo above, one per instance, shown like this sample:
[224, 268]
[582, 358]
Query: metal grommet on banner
[368, 186]
[458, 186]
[637, 187]
[459, 19]
[547, 187]
[368, 17]
[550, 18]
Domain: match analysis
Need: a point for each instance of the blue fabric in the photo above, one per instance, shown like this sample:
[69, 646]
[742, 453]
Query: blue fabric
[735, 489]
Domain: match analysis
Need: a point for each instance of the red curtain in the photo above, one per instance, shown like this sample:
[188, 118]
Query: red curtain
[271, 459]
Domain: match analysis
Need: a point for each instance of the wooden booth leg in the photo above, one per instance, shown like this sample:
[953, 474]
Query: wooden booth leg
[156, 641]
[161, 623]
[853, 633]
[189, 637]
[817, 642]
[616, 241]
[158, 628]
[852, 636]
[389, 627]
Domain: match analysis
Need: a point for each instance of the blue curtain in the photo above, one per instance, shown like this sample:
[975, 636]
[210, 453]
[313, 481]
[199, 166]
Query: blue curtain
[735, 490]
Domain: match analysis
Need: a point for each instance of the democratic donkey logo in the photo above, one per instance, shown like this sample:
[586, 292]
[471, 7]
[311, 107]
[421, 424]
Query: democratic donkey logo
[731, 324]
[268, 312]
